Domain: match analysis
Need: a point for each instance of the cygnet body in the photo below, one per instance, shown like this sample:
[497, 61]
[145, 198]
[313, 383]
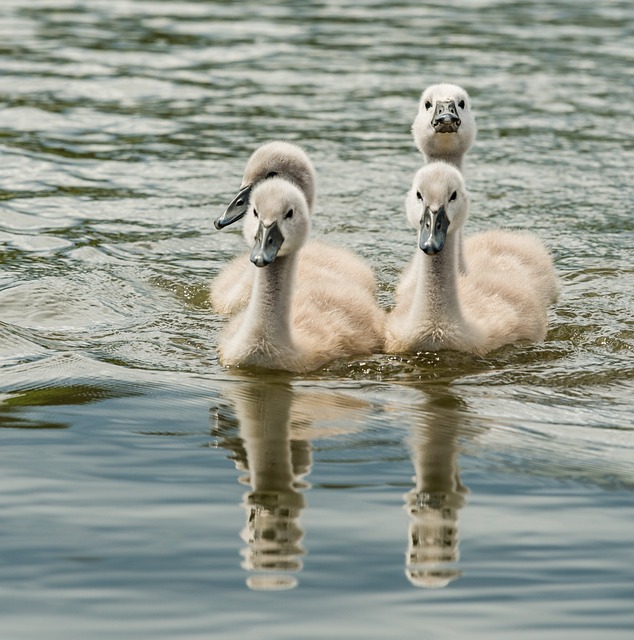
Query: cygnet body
[504, 298]
[294, 323]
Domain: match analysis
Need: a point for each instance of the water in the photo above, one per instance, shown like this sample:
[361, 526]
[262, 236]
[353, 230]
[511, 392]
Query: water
[148, 492]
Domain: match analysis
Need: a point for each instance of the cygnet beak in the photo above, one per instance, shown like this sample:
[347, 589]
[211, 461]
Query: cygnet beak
[446, 118]
[433, 231]
[268, 241]
[236, 209]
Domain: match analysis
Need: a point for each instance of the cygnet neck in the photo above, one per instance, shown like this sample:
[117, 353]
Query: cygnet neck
[436, 297]
[454, 159]
[268, 314]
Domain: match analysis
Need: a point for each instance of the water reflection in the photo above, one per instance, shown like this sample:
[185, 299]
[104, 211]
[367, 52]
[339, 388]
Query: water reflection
[275, 425]
[438, 495]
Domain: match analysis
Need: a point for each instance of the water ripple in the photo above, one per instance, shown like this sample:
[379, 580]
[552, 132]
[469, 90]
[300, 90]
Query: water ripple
[124, 130]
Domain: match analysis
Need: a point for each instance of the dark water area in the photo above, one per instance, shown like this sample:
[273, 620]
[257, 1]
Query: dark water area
[150, 492]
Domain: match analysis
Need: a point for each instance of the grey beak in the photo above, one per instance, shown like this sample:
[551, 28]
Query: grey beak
[236, 209]
[268, 241]
[433, 231]
[446, 118]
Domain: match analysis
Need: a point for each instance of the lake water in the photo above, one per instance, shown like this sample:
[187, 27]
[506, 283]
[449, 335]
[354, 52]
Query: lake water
[147, 492]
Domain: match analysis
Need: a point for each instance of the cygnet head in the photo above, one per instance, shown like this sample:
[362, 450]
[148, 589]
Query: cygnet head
[272, 159]
[437, 205]
[445, 127]
[277, 222]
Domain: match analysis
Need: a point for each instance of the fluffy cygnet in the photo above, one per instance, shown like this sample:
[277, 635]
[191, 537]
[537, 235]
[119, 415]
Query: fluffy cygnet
[504, 297]
[296, 323]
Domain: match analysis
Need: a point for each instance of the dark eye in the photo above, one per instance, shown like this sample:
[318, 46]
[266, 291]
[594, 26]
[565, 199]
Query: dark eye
[427, 105]
[461, 104]
[453, 196]
[255, 213]
[289, 214]
[418, 195]
[271, 174]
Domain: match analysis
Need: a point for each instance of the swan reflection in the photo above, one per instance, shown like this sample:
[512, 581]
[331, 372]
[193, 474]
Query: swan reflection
[275, 426]
[438, 495]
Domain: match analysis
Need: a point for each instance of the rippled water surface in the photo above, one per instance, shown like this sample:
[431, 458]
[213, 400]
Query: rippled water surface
[147, 492]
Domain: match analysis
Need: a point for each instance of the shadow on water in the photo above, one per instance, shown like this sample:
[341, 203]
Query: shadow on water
[10, 420]
[13, 404]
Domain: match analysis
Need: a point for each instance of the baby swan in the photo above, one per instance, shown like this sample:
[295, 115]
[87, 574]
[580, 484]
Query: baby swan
[503, 299]
[445, 127]
[292, 323]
